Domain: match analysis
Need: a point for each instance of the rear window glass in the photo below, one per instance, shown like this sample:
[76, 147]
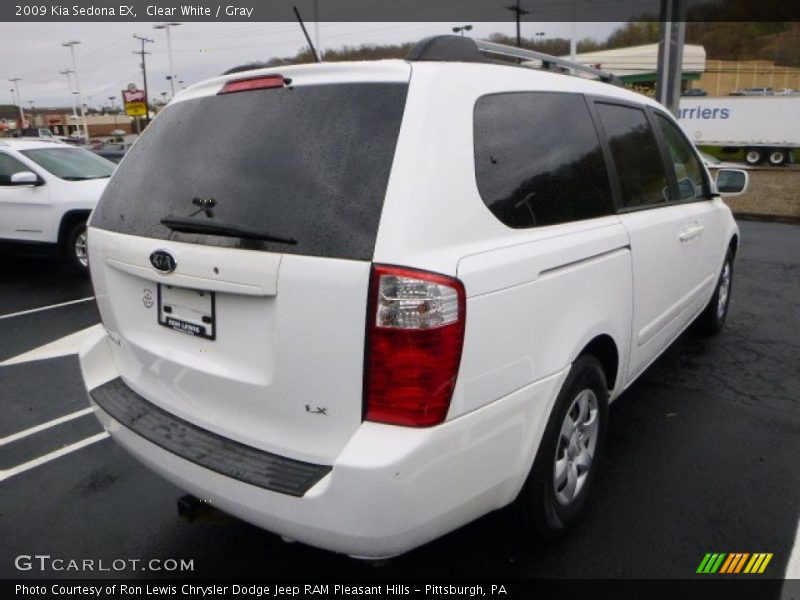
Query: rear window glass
[309, 163]
[538, 159]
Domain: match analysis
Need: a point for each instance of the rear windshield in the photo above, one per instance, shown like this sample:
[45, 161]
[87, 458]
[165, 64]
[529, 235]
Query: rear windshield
[309, 163]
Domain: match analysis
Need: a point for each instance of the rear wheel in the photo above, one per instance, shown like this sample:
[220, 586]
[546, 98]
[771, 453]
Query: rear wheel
[567, 461]
[777, 158]
[753, 156]
[77, 248]
[713, 316]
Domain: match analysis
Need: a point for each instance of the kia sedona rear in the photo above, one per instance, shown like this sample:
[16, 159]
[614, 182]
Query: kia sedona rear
[363, 304]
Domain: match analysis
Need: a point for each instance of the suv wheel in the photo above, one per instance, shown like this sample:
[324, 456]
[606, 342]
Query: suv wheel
[713, 316]
[567, 461]
[77, 248]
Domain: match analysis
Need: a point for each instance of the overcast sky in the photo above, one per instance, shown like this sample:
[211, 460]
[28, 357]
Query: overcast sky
[106, 62]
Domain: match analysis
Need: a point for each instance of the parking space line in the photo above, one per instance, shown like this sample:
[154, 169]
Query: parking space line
[69, 344]
[37, 428]
[793, 566]
[41, 308]
[36, 462]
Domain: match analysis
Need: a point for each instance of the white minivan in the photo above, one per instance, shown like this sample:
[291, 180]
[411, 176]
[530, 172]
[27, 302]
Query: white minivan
[362, 304]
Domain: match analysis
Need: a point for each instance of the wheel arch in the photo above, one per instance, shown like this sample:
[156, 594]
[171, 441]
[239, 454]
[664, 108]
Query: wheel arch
[604, 349]
[733, 245]
[68, 221]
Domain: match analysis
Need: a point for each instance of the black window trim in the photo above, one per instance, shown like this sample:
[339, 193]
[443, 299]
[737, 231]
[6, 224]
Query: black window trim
[616, 186]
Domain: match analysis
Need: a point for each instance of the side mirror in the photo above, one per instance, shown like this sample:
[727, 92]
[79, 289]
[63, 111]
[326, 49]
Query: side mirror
[25, 178]
[731, 182]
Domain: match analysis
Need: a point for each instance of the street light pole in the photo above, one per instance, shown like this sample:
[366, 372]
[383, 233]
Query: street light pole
[171, 77]
[71, 45]
[68, 72]
[462, 29]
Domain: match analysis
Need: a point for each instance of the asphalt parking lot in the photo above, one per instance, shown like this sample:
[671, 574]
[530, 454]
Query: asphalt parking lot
[702, 455]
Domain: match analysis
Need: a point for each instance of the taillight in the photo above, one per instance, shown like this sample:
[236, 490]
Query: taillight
[254, 83]
[415, 331]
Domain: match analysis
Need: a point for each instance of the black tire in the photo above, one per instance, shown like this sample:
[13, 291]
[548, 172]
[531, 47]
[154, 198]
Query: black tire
[75, 247]
[712, 319]
[540, 507]
[753, 156]
[777, 157]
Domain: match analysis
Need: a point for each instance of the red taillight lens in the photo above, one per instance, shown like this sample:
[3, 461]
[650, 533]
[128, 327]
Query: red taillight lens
[415, 332]
[253, 83]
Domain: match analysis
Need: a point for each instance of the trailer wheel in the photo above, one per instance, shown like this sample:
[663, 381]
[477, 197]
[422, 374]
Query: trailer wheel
[753, 156]
[777, 157]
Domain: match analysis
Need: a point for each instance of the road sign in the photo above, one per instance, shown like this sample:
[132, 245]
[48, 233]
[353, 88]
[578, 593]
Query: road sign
[134, 102]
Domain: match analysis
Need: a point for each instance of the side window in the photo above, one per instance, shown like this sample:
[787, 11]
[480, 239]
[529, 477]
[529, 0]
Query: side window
[636, 155]
[688, 170]
[538, 159]
[8, 166]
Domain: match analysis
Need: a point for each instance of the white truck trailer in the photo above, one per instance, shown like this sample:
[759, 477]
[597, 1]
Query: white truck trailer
[766, 127]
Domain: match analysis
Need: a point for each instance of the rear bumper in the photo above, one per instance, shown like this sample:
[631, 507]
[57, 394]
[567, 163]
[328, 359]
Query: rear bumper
[390, 490]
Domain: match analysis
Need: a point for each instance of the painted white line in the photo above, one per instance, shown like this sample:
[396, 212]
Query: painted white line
[69, 344]
[37, 428]
[37, 462]
[41, 308]
[793, 566]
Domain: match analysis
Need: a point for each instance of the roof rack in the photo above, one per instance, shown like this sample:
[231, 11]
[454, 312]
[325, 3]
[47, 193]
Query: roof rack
[461, 49]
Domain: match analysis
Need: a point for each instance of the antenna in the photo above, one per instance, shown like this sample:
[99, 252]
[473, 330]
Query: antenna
[305, 33]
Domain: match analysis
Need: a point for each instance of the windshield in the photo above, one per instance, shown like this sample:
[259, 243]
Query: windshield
[307, 163]
[72, 164]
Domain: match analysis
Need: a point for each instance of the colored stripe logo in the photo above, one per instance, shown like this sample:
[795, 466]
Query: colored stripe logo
[734, 563]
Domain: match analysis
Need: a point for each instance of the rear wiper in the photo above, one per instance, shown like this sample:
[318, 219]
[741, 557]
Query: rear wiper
[190, 225]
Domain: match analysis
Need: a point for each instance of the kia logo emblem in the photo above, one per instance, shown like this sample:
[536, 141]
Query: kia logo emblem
[163, 261]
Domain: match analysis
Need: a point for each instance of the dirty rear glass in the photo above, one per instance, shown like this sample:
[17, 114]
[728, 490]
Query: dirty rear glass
[309, 163]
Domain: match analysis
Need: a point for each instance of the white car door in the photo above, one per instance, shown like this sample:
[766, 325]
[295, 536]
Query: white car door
[25, 210]
[664, 234]
[707, 230]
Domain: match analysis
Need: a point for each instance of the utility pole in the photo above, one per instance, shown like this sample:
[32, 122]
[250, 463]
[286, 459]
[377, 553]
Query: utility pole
[518, 11]
[316, 28]
[171, 77]
[15, 81]
[71, 45]
[142, 53]
[670, 54]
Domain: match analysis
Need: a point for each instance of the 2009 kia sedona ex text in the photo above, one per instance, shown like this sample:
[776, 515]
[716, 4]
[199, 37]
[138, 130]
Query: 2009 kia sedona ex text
[362, 304]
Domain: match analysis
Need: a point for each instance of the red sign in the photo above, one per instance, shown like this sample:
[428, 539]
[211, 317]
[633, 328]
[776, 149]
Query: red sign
[133, 96]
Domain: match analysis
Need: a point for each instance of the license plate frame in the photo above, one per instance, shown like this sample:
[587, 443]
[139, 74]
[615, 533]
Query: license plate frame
[189, 311]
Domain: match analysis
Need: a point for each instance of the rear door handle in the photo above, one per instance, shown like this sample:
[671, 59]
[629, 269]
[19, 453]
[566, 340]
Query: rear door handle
[690, 232]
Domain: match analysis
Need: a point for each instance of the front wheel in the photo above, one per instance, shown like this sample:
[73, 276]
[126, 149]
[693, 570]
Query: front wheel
[713, 316]
[567, 461]
[77, 248]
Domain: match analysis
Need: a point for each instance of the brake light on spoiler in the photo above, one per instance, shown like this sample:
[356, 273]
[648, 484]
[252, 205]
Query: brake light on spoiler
[415, 333]
[262, 82]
